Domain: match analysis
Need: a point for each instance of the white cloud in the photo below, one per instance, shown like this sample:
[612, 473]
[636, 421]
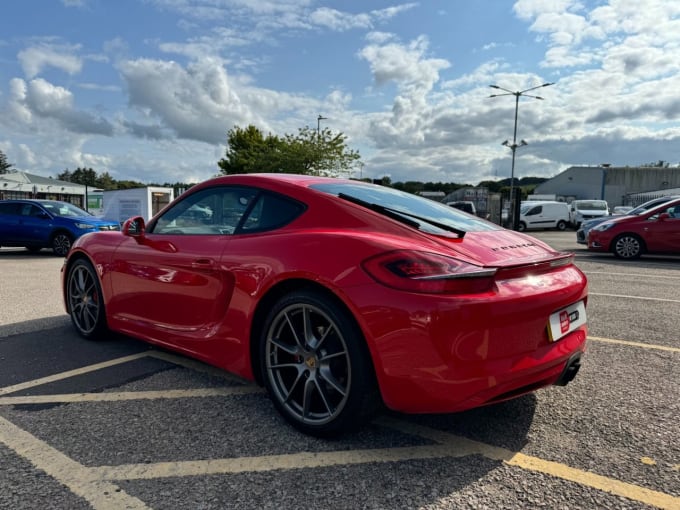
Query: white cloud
[35, 58]
[38, 105]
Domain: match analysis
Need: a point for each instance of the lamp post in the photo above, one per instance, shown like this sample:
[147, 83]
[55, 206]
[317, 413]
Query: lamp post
[514, 145]
[318, 124]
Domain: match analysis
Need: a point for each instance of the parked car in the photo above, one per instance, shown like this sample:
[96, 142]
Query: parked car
[621, 209]
[543, 215]
[464, 205]
[628, 237]
[37, 224]
[586, 226]
[583, 210]
[338, 296]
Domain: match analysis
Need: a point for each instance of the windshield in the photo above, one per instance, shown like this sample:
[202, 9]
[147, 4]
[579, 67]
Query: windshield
[65, 209]
[411, 205]
[591, 205]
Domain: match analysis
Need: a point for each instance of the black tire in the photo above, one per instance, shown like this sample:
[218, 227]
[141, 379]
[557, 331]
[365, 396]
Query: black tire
[61, 243]
[316, 365]
[562, 225]
[521, 227]
[85, 301]
[628, 246]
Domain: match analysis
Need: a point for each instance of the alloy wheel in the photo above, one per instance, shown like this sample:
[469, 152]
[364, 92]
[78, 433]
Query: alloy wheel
[628, 247]
[308, 364]
[83, 299]
[61, 244]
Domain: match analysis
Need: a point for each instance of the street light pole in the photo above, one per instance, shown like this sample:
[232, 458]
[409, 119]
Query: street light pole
[514, 145]
[318, 124]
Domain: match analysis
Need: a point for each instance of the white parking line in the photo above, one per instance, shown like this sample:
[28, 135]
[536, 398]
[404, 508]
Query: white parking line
[636, 275]
[661, 300]
[80, 480]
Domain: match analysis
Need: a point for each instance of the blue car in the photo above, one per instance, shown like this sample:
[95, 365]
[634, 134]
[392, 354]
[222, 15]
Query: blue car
[37, 224]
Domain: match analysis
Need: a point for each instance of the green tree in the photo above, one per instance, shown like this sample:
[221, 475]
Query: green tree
[5, 166]
[309, 152]
[249, 151]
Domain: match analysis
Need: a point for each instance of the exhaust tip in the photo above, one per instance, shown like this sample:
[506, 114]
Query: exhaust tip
[570, 370]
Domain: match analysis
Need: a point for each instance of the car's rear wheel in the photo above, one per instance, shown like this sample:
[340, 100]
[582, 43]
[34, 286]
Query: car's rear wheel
[561, 225]
[61, 243]
[316, 366]
[628, 246]
[85, 301]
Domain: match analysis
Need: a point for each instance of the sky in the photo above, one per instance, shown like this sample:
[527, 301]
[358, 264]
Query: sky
[147, 90]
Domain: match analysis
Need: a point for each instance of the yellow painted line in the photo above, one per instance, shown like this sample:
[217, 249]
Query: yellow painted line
[129, 395]
[274, 462]
[449, 445]
[555, 469]
[70, 373]
[80, 480]
[634, 344]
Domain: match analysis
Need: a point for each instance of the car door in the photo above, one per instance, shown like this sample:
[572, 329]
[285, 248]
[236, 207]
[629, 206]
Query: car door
[9, 222]
[170, 283]
[663, 234]
[34, 225]
[534, 216]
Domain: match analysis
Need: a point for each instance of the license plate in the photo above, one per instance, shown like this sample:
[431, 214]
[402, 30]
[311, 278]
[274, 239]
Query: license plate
[565, 321]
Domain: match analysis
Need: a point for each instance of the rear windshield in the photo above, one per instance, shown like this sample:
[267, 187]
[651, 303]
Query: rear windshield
[411, 204]
[591, 205]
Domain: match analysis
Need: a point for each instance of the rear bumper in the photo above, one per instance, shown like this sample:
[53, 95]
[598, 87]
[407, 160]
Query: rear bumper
[444, 354]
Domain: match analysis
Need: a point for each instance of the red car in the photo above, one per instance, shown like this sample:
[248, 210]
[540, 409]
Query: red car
[654, 231]
[338, 296]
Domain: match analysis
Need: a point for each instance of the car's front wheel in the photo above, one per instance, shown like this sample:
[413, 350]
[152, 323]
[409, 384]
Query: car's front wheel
[521, 227]
[316, 366]
[627, 246]
[61, 243]
[85, 301]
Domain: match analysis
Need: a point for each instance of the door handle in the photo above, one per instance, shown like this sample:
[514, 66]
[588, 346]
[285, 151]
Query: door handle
[203, 264]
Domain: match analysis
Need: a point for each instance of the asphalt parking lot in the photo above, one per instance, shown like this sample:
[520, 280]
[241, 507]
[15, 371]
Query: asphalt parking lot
[117, 424]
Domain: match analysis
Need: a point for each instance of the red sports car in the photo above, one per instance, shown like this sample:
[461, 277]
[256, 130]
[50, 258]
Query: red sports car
[654, 231]
[338, 296]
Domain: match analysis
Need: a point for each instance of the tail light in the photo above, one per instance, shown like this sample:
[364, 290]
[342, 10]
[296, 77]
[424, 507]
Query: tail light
[428, 273]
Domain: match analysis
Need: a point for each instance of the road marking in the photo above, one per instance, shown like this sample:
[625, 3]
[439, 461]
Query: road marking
[648, 461]
[662, 300]
[555, 469]
[645, 276]
[70, 373]
[95, 484]
[634, 344]
[80, 480]
[71, 398]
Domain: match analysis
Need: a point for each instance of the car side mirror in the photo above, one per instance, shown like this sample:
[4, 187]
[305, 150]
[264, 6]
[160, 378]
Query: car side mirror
[134, 227]
[664, 216]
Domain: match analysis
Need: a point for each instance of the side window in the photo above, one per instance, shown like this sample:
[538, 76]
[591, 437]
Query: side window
[270, 212]
[215, 211]
[535, 210]
[9, 208]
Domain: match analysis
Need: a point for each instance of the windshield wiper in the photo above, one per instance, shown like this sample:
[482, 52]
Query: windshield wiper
[402, 216]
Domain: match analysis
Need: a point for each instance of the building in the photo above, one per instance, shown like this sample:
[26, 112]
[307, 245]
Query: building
[614, 184]
[25, 185]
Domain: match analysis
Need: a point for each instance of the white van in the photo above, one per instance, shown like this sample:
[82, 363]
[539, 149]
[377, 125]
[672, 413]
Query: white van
[582, 210]
[535, 215]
